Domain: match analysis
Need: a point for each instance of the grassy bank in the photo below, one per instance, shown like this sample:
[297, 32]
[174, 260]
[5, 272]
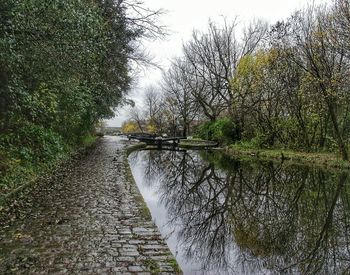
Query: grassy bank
[197, 144]
[330, 160]
[18, 173]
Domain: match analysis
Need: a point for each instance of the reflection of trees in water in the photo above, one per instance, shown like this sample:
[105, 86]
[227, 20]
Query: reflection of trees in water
[290, 219]
[286, 219]
[194, 205]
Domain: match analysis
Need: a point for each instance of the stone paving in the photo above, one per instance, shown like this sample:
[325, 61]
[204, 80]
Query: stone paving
[87, 219]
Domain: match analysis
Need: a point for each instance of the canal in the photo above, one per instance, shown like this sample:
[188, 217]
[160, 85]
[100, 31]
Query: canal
[228, 216]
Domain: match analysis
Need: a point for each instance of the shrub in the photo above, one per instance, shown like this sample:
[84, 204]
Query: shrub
[221, 130]
[32, 143]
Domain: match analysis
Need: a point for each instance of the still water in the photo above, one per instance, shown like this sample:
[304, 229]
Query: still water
[226, 216]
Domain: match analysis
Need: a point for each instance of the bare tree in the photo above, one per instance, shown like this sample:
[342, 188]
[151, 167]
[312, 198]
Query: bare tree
[178, 95]
[212, 59]
[154, 107]
[138, 116]
[339, 27]
[309, 46]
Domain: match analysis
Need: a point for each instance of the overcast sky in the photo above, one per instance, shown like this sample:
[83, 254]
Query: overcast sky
[183, 16]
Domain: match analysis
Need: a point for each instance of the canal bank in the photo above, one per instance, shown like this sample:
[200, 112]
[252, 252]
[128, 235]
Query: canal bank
[87, 219]
[324, 160]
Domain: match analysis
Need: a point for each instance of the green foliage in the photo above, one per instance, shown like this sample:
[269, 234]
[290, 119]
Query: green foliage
[88, 140]
[173, 263]
[30, 142]
[152, 266]
[63, 67]
[221, 130]
[25, 151]
[219, 160]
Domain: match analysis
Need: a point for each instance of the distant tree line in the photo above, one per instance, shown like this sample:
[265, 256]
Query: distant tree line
[64, 66]
[281, 85]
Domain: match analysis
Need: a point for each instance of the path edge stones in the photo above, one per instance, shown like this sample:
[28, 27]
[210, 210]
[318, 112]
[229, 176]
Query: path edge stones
[144, 210]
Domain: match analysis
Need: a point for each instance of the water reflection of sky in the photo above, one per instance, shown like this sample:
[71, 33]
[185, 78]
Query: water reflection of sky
[223, 216]
[159, 213]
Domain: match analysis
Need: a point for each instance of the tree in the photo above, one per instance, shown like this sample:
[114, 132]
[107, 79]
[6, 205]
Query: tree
[309, 44]
[130, 127]
[137, 116]
[178, 95]
[64, 66]
[212, 59]
[154, 107]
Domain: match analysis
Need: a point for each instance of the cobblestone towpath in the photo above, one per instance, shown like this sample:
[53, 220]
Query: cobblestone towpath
[86, 219]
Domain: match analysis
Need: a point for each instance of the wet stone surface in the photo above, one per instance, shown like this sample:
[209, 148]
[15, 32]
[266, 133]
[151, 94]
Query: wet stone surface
[86, 219]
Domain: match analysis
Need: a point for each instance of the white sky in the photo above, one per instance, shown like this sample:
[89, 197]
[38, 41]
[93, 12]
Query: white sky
[185, 15]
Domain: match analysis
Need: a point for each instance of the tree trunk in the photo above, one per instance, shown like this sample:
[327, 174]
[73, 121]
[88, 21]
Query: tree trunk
[340, 141]
[184, 131]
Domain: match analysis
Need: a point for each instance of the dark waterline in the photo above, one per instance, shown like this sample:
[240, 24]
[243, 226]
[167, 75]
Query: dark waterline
[224, 216]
